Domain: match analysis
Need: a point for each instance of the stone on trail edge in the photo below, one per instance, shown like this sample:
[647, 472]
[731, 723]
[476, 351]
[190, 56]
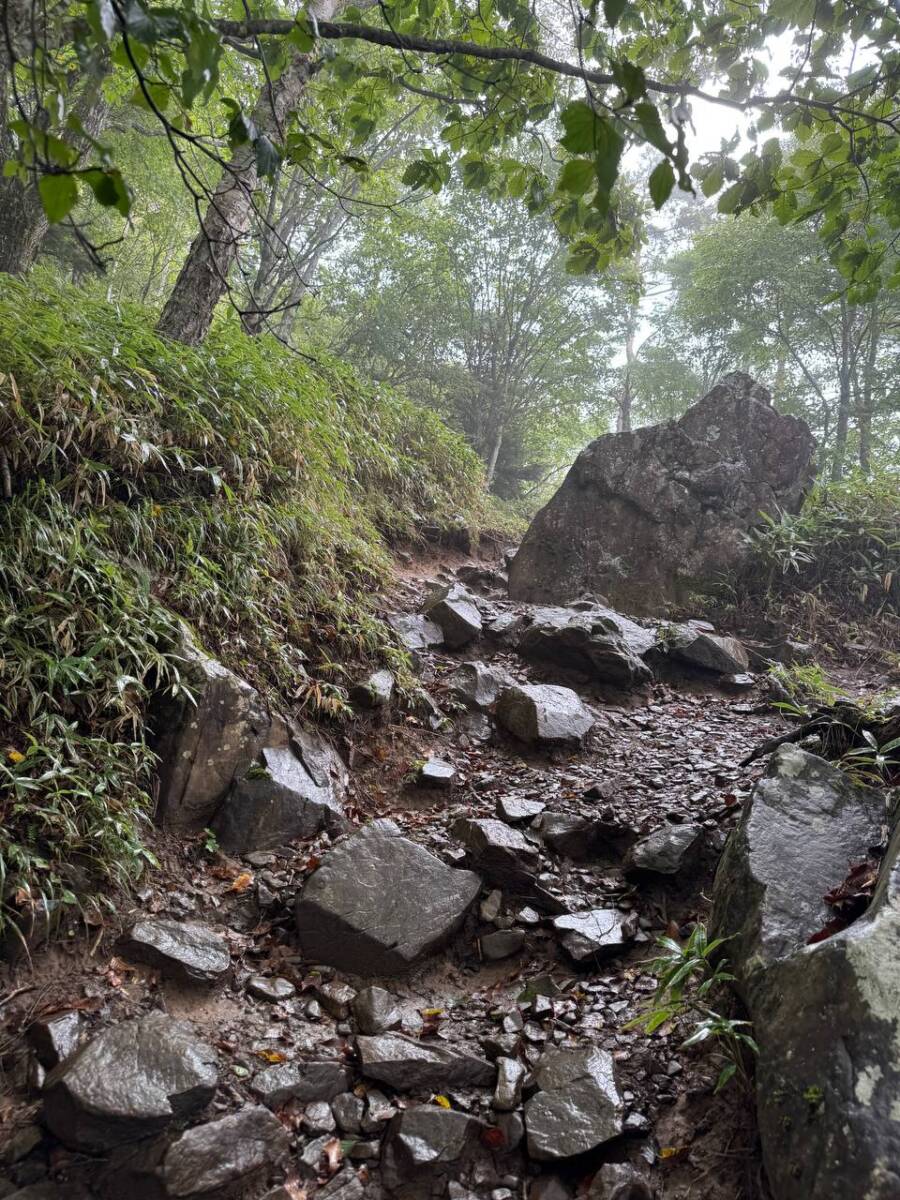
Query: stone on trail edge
[600, 643]
[578, 1106]
[825, 1015]
[478, 685]
[454, 610]
[130, 1081]
[545, 714]
[665, 851]
[212, 1156]
[599, 932]
[410, 1065]
[379, 902]
[182, 950]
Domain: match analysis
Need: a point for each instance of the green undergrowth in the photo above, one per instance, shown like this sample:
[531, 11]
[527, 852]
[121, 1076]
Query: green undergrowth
[237, 486]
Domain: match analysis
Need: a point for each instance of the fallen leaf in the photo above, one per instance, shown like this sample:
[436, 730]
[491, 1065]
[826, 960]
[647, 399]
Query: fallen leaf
[442, 1101]
[242, 882]
[271, 1056]
[493, 1138]
[15, 756]
[333, 1155]
[431, 1012]
[670, 1152]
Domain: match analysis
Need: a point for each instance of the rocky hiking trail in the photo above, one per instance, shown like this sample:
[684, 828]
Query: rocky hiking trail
[409, 971]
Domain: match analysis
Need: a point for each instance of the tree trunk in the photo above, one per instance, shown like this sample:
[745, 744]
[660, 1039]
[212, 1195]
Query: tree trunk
[626, 398]
[495, 454]
[864, 413]
[203, 278]
[843, 412]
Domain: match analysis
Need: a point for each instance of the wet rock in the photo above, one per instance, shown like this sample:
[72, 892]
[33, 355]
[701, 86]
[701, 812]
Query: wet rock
[503, 943]
[375, 692]
[545, 714]
[56, 1038]
[508, 1088]
[665, 851]
[512, 1127]
[490, 907]
[721, 655]
[506, 628]
[516, 810]
[619, 1181]
[336, 998]
[600, 643]
[483, 579]
[478, 685]
[454, 611]
[574, 837]
[423, 1143]
[130, 1081]
[550, 1187]
[415, 632]
[303, 1081]
[436, 773]
[318, 1118]
[410, 1065]
[348, 1111]
[203, 746]
[273, 990]
[293, 795]
[213, 1156]
[375, 1010]
[598, 932]
[824, 1014]
[497, 851]
[651, 517]
[803, 826]
[182, 950]
[578, 1106]
[379, 902]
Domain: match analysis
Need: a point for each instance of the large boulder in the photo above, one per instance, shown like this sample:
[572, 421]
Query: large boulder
[204, 742]
[211, 1157]
[599, 642]
[578, 1106]
[183, 950]
[131, 1081]
[409, 1065]
[455, 612]
[826, 1013]
[649, 517]
[295, 794]
[379, 902]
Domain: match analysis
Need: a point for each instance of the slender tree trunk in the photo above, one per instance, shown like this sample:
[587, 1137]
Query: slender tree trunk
[843, 413]
[864, 414]
[626, 397]
[495, 454]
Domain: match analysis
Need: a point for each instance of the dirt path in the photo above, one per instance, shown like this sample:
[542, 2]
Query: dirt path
[665, 753]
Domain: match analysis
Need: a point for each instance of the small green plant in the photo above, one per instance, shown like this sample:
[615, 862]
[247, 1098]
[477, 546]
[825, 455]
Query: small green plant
[871, 763]
[209, 842]
[687, 974]
[807, 686]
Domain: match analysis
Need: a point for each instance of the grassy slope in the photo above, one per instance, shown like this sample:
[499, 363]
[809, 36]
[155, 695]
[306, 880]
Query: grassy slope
[237, 486]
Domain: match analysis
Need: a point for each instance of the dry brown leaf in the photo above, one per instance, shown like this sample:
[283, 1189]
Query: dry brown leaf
[242, 882]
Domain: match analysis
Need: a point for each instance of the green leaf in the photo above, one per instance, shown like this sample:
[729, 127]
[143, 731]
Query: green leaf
[651, 126]
[731, 198]
[301, 35]
[713, 180]
[612, 10]
[577, 177]
[580, 123]
[662, 180]
[110, 190]
[268, 156]
[725, 1075]
[59, 195]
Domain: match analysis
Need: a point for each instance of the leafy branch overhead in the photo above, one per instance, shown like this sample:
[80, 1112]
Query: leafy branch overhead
[622, 76]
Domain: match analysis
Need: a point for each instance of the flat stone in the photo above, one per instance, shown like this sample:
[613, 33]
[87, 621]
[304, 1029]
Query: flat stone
[510, 1081]
[302, 1081]
[336, 998]
[379, 902]
[456, 614]
[375, 1011]
[376, 691]
[516, 809]
[545, 714]
[213, 1156]
[665, 851]
[497, 851]
[436, 773]
[130, 1081]
[578, 1106]
[182, 950]
[411, 1065]
[597, 932]
[415, 632]
[271, 989]
[502, 943]
[478, 685]
[573, 837]
[425, 1139]
[292, 796]
[56, 1038]
[721, 655]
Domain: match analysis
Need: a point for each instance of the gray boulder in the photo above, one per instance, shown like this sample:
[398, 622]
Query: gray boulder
[221, 1153]
[478, 685]
[720, 655]
[379, 902]
[131, 1081]
[578, 1106]
[436, 773]
[600, 643]
[423, 1148]
[653, 516]
[825, 1014]
[410, 1065]
[203, 746]
[455, 612]
[574, 837]
[55, 1039]
[375, 692]
[375, 1010]
[294, 795]
[516, 809]
[183, 950]
[502, 943]
[415, 632]
[496, 851]
[508, 1088]
[597, 933]
[545, 714]
[665, 851]
[303, 1081]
